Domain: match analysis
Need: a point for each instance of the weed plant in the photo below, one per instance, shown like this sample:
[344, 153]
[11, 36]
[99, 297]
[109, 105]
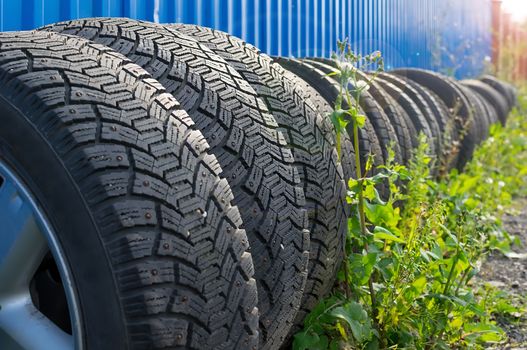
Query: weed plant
[406, 282]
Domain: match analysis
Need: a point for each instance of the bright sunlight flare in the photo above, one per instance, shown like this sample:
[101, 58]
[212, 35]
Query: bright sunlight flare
[517, 9]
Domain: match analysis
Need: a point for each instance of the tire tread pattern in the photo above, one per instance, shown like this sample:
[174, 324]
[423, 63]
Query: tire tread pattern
[328, 88]
[145, 173]
[374, 112]
[249, 146]
[311, 139]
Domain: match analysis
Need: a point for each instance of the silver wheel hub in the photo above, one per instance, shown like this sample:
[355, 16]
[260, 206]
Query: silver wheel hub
[26, 238]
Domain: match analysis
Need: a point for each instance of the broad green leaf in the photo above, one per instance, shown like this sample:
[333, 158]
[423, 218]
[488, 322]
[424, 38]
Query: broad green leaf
[320, 314]
[383, 215]
[339, 120]
[357, 319]
[386, 267]
[419, 284]
[483, 332]
[309, 341]
[361, 267]
[382, 234]
[334, 345]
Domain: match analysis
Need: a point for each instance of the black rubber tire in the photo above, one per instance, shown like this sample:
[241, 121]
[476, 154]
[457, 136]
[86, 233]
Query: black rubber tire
[513, 94]
[395, 113]
[133, 195]
[459, 109]
[418, 95]
[398, 118]
[381, 123]
[438, 108]
[504, 89]
[489, 110]
[419, 122]
[252, 152]
[499, 102]
[311, 138]
[407, 121]
[325, 109]
[391, 108]
[446, 124]
[329, 89]
[480, 112]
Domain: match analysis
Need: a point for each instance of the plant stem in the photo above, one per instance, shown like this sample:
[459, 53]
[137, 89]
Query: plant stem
[451, 273]
[465, 274]
[339, 147]
[362, 215]
[347, 274]
[339, 152]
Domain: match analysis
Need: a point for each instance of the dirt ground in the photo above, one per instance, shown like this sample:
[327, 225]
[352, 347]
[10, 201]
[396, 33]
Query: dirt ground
[510, 274]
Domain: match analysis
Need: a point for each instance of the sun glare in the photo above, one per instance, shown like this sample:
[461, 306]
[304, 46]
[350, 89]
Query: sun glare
[517, 9]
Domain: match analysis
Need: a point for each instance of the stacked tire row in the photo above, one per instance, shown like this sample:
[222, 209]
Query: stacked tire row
[187, 186]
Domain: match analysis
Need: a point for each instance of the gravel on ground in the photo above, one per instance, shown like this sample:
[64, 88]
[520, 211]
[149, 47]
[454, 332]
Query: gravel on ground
[508, 273]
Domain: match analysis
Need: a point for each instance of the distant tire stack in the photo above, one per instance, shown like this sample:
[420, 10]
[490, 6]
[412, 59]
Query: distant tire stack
[178, 188]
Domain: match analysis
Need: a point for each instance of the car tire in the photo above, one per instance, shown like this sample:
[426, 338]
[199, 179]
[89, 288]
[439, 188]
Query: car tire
[248, 144]
[156, 252]
[310, 137]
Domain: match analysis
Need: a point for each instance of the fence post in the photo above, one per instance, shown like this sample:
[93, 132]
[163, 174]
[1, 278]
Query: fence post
[496, 34]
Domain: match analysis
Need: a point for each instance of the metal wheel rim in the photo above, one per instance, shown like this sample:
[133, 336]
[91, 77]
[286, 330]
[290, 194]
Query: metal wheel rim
[25, 237]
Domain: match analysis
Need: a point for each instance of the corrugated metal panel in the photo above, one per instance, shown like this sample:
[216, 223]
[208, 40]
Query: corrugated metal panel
[434, 34]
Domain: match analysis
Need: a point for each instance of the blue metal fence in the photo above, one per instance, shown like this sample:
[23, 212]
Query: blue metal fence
[448, 35]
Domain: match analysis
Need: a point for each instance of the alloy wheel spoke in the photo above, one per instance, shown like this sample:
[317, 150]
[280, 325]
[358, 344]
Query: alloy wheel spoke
[25, 326]
[22, 246]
